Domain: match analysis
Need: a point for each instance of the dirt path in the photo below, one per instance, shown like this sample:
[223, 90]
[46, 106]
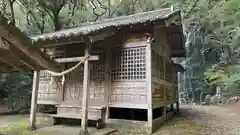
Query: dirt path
[225, 120]
[204, 120]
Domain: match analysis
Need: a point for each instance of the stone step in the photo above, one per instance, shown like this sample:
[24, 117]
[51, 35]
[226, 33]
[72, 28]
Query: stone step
[105, 131]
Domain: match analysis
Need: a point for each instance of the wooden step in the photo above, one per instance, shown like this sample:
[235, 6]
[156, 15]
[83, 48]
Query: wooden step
[78, 105]
[72, 116]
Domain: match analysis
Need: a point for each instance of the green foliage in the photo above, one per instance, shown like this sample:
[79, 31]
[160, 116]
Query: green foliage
[16, 87]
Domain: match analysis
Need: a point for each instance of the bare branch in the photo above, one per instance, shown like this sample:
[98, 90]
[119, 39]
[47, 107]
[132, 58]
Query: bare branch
[33, 16]
[194, 5]
[11, 2]
[94, 8]
[72, 4]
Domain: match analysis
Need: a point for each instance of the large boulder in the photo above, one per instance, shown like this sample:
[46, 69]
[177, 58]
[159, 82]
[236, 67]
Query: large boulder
[207, 100]
[215, 100]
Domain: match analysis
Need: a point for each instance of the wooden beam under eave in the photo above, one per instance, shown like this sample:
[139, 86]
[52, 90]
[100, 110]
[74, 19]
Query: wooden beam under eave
[23, 43]
[11, 60]
[3, 67]
[20, 58]
[77, 59]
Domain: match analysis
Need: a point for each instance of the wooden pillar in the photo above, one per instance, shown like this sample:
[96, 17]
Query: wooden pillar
[177, 104]
[165, 90]
[33, 111]
[107, 79]
[172, 108]
[179, 86]
[178, 91]
[149, 82]
[86, 76]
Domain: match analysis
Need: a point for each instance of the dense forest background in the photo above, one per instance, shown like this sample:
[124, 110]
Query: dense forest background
[211, 28]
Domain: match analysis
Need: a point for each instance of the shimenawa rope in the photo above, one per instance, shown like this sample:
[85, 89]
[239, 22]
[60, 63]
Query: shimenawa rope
[63, 73]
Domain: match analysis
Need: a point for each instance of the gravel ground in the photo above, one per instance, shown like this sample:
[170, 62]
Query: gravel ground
[204, 120]
[193, 120]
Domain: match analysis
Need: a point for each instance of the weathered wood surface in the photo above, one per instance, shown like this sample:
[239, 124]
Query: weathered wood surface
[149, 84]
[24, 45]
[50, 89]
[164, 76]
[86, 77]
[128, 93]
[11, 60]
[33, 110]
[76, 59]
[107, 79]
[14, 60]
[94, 113]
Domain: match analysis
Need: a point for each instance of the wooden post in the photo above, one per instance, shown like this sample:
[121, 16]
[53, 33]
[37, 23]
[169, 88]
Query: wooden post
[107, 80]
[178, 91]
[149, 82]
[179, 87]
[172, 108]
[32, 120]
[86, 75]
[165, 90]
[177, 104]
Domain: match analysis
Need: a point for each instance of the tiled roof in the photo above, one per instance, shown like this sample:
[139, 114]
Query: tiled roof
[88, 28]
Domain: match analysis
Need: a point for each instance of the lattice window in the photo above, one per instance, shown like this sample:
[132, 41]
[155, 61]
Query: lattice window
[97, 81]
[129, 64]
[97, 71]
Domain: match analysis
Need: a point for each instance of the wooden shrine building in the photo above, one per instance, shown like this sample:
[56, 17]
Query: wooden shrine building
[127, 81]
[130, 79]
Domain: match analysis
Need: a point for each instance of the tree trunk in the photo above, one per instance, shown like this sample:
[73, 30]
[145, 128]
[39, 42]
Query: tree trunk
[56, 22]
[11, 2]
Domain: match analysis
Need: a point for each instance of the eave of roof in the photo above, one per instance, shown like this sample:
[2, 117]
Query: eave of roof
[92, 27]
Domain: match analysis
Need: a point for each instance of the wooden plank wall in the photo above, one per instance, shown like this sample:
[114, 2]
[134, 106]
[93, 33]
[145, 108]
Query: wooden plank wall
[128, 78]
[50, 89]
[74, 85]
[51, 92]
[162, 75]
